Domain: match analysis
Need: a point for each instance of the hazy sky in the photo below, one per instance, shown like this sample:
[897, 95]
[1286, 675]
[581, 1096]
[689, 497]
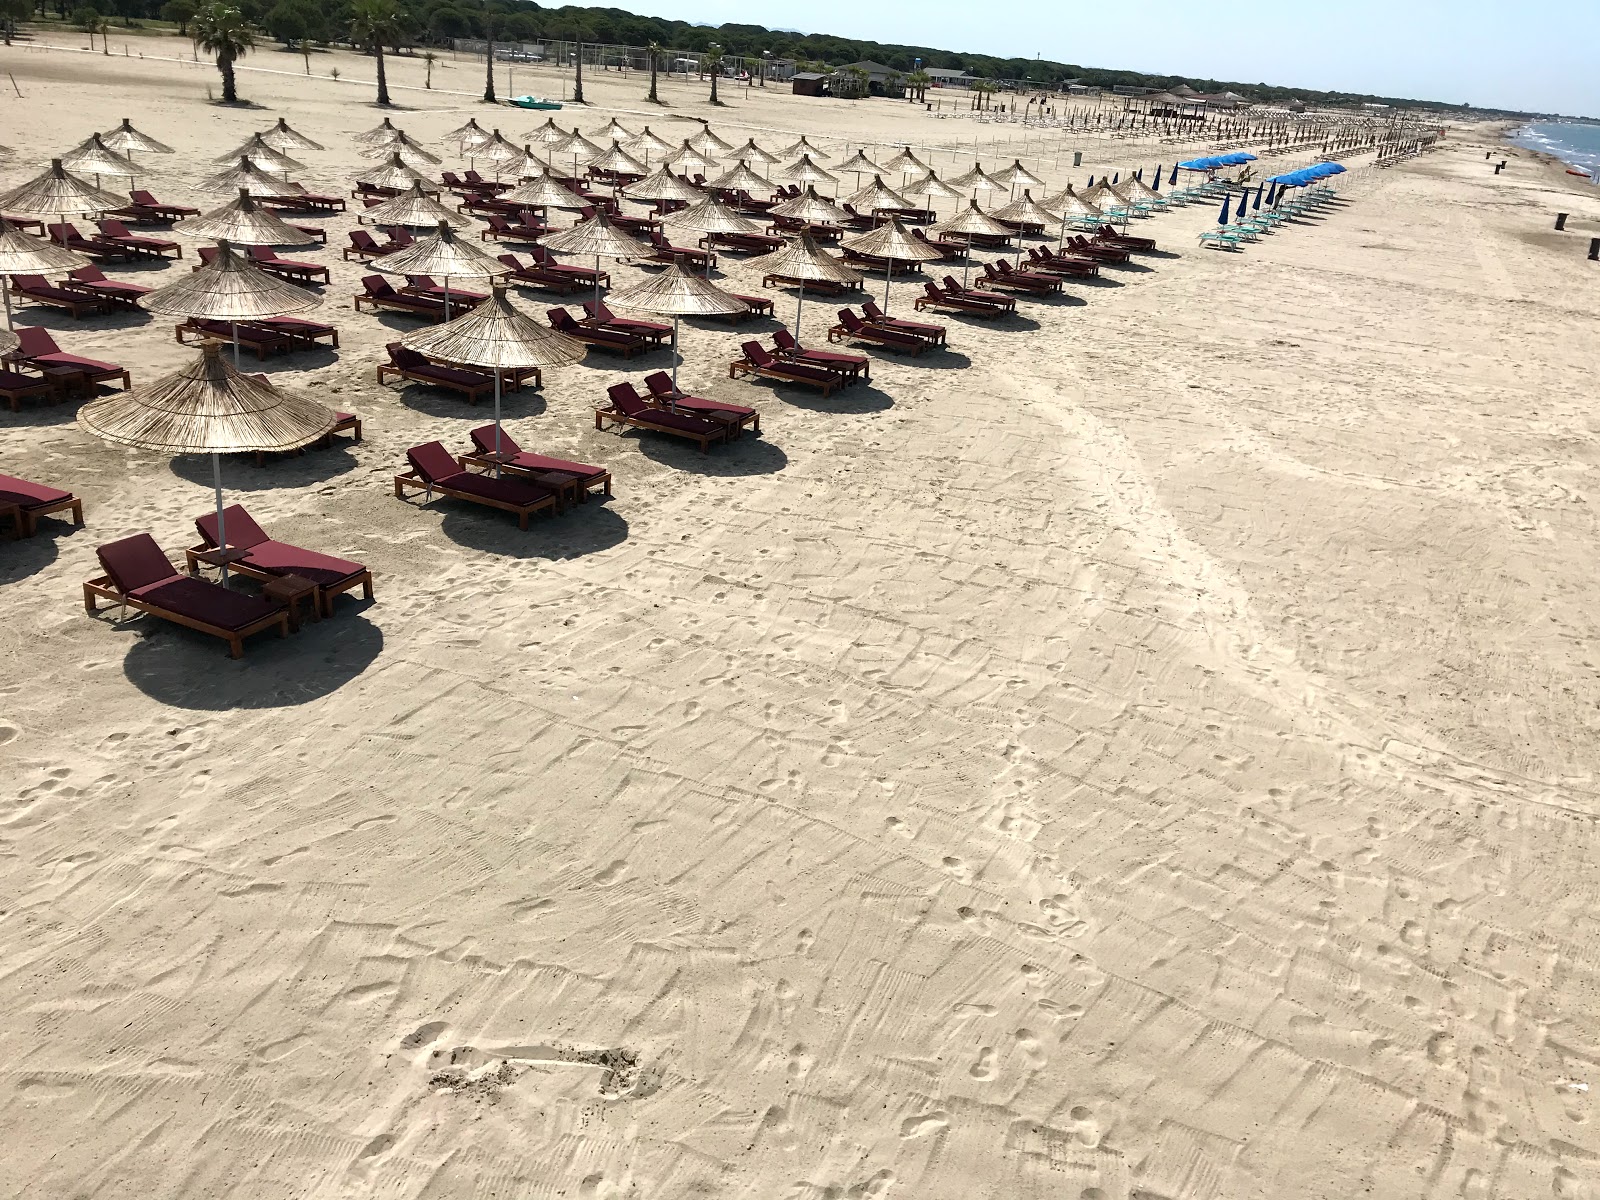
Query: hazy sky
[1538, 55]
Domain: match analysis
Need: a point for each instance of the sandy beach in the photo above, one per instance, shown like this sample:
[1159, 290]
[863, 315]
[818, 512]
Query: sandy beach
[1144, 751]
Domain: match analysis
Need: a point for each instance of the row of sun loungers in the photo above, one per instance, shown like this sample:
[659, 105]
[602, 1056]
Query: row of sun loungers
[264, 336]
[57, 371]
[22, 503]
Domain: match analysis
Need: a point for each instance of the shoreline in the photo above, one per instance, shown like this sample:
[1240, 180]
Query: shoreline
[1559, 167]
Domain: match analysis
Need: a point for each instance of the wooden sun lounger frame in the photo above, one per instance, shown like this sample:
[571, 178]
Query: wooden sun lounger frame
[743, 366]
[704, 440]
[89, 304]
[412, 481]
[101, 588]
[27, 518]
[322, 598]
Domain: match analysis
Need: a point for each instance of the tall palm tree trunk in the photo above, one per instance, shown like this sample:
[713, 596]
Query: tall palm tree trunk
[383, 77]
[230, 94]
[577, 81]
[715, 71]
[488, 79]
[654, 99]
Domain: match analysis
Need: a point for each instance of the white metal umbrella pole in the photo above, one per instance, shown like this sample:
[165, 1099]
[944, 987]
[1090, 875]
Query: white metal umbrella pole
[234, 327]
[800, 300]
[497, 422]
[888, 278]
[447, 297]
[222, 532]
[676, 357]
[5, 292]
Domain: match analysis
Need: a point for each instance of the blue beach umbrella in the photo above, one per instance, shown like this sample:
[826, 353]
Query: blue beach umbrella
[1091, 181]
[1256, 207]
[1116, 177]
[1226, 201]
[1156, 186]
[1173, 182]
[1272, 195]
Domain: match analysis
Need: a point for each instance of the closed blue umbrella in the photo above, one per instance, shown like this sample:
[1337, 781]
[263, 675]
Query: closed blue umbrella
[1116, 177]
[1091, 181]
[1272, 194]
[1173, 182]
[1156, 186]
[1256, 207]
[1226, 201]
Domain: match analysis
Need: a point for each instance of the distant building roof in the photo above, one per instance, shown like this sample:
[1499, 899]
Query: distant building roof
[807, 75]
[946, 73]
[870, 67]
[1183, 89]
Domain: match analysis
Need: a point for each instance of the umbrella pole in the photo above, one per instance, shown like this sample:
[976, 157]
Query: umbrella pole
[222, 532]
[888, 277]
[797, 305]
[447, 298]
[497, 422]
[5, 291]
[234, 326]
[597, 281]
[676, 357]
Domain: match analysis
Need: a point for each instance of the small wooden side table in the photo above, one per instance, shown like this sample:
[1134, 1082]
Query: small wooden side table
[289, 590]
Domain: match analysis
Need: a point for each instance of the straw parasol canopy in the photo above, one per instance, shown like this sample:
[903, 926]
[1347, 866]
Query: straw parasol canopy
[972, 219]
[711, 215]
[891, 241]
[1104, 193]
[544, 191]
[442, 253]
[806, 171]
[687, 158]
[677, 293]
[877, 195]
[229, 288]
[1017, 175]
[242, 223]
[23, 254]
[207, 407]
[1073, 206]
[599, 237]
[905, 162]
[378, 135]
[647, 143]
[394, 174]
[1025, 209]
[575, 146]
[737, 177]
[663, 184]
[409, 153]
[125, 139]
[256, 151]
[462, 132]
[933, 188]
[861, 164]
[708, 143]
[811, 207]
[613, 129]
[93, 157]
[57, 193]
[470, 136]
[497, 150]
[750, 152]
[281, 137]
[414, 209]
[976, 181]
[547, 135]
[525, 165]
[1137, 189]
[802, 147]
[244, 174]
[804, 260]
[618, 161]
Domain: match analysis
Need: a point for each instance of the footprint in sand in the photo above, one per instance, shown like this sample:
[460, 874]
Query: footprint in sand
[1084, 1127]
[983, 1068]
[424, 1035]
[612, 873]
[925, 1124]
[955, 866]
[8, 733]
[800, 1061]
[804, 942]
[1029, 1047]
[897, 825]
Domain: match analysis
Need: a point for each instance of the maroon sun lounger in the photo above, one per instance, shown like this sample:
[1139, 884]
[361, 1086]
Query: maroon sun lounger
[16, 386]
[138, 576]
[664, 395]
[579, 478]
[758, 361]
[459, 298]
[30, 501]
[1000, 274]
[409, 365]
[750, 243]
[41, 291]
[850, 368]
[998, 299]
[876, 316]
[252, 337]
[629, 408]
[379, 294]
[1084, 248]
[294, 271]
[540, 278]
[665, 251]
[433, 469]
[269, 560]
[116, 231]
[933, 298]
[542, 258]
[39, 350]
[625, 344]
[852, 326]
[364, 246]
[524, 230]
[146, 208]
[1127, 241]
[66, 234]
[92, 281]
[601, 317]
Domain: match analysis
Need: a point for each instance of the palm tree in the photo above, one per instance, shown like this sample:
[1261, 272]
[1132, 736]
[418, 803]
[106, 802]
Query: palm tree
[490, 17]
[917, 84]
[577, 78]
[713, 62]
[654, 51]
[220, 29]
[375, 22]
[429, 57]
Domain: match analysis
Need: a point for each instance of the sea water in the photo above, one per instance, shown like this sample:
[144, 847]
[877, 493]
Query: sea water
[1575, 145]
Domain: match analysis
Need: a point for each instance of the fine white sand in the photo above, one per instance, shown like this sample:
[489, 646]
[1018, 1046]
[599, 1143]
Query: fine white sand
[1145, 751]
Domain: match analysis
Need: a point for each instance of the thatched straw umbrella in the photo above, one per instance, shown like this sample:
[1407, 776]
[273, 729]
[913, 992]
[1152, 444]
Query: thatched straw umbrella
[526, 164]
[241, 222]
[1073, 207]
[619, 162]
[891, 241]
[1017, 175]
[686, 159]
[711, 215]
[803, 147]
[905, 162]
[577, 147]
[208, 407]
[737, 177]
[230, 288]
[58, 194]
[975, 181]
[613, 129]
[443, 254]
[750, 152]
[599, 237]
[548, 135]
[395, 174]
[407, 151]
[972, 219]
[677, 294]
[414, 209]
[708, 143]
[859, 163]
[281, 137]
[93, 157]
[808, 206]
[256, 152]
[23, 254]
[646, 143]
[379, 135]
[125, 139]
[544, 191]
[802, 260]
[498, 151]
[877, 195]
[462, 133]
[247, 176]
[497, 336]
[806, 171]
[664, 184]
[1026, 210]
[930, 187]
